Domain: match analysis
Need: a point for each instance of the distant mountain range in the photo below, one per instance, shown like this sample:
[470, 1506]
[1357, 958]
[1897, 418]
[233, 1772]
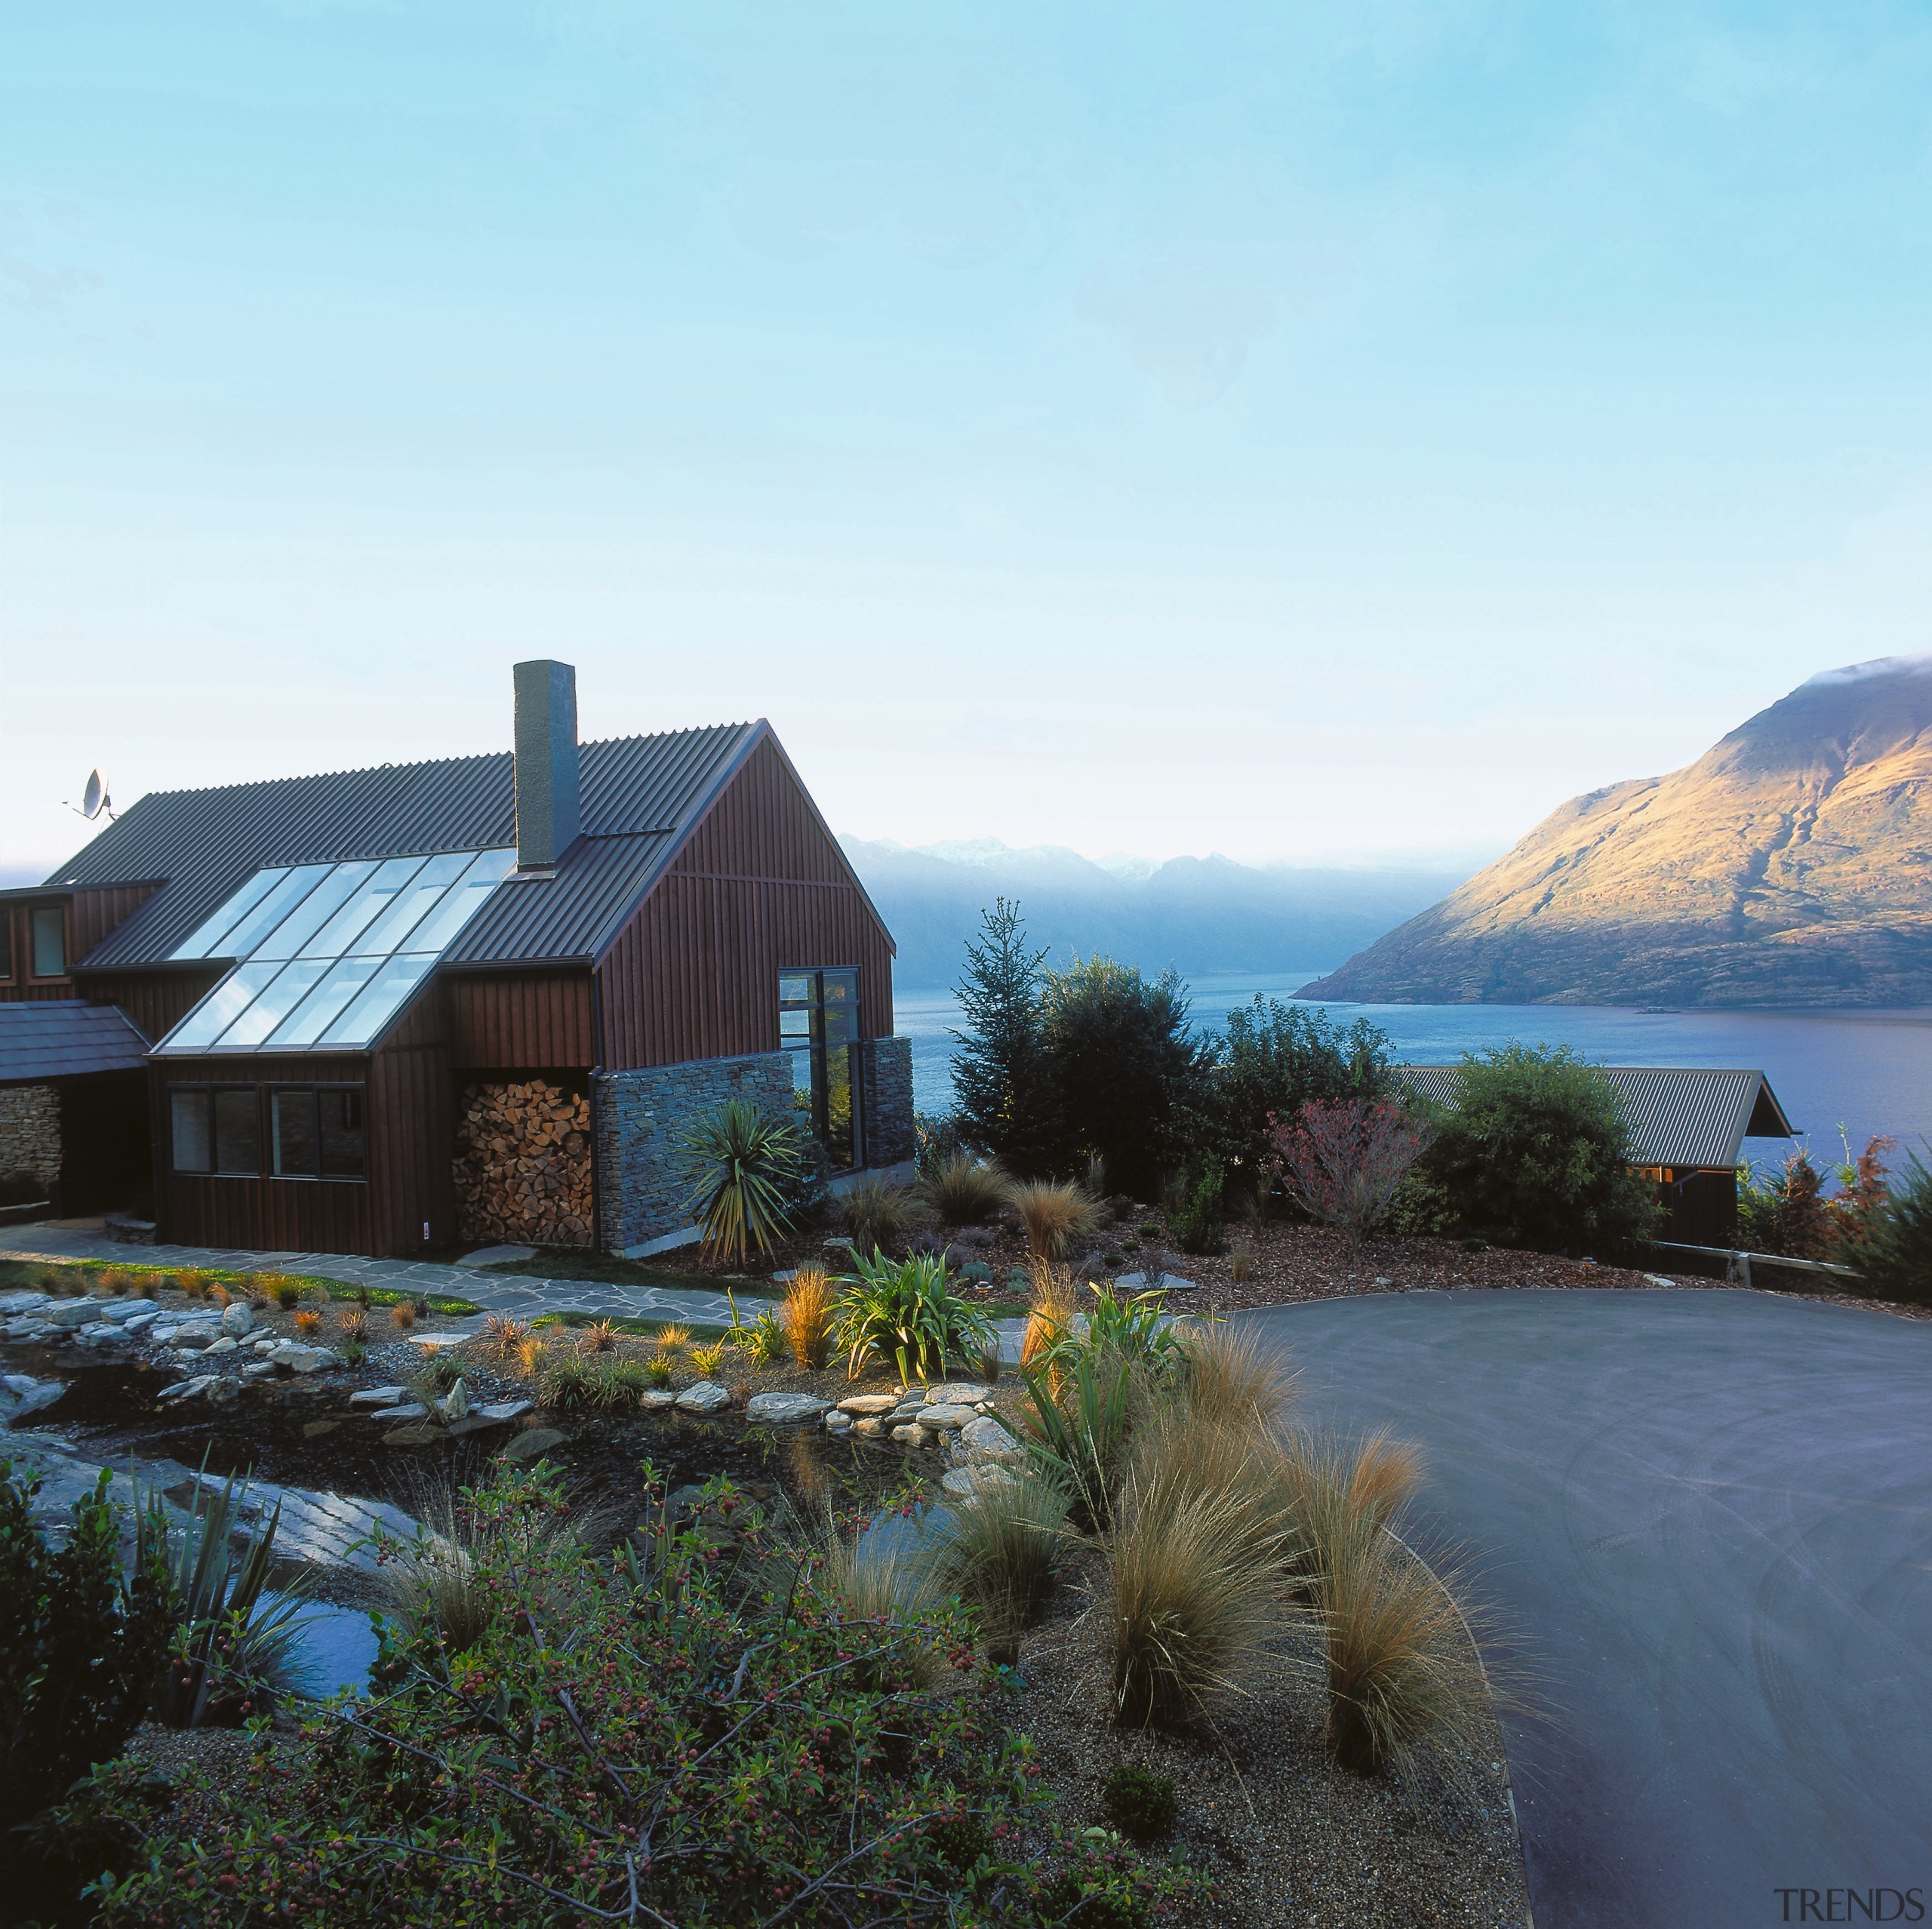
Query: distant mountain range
[1201, 915]
[1790, 865]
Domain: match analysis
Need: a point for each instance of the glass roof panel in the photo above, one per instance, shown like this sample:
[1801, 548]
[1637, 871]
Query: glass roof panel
[337, 939]
[216, 928]
[315, 911]
[379, 1000]
[413, 904]
[319, 946]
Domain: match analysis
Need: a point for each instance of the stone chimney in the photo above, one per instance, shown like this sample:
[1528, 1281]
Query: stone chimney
[548, 813]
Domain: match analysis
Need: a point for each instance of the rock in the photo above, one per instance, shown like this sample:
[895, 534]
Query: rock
[186, 1390]
[378, 1396]
[121, 1312]
[655, 1399]
[860, 1405]
[423, 1433]
[944, 1419]
[1658, 1279]
[957, 1393]
[781, 1409]
[871, 1427]
[706, 1397]
[539, 1440]
[409, 1410]
[265, 1347]
[223, 1388]
[238, 1317]
[985, 1439]
[28, 1326]
[298, 1358]
[498, 1411]
[66, 1315]
[24, 1396]
[967, 1482]
[99, 1329]
[224, 1345]
[19, 1383]
[140, 1323]
[435, 1342]
[910, 1435]
[454, 1405]
[193, 1338]
[838, 1423]
[258, 1370]
[1384, 1282]
[23, 1301]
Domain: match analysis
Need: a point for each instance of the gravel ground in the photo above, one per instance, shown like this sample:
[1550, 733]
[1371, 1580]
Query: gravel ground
[1288, 1838]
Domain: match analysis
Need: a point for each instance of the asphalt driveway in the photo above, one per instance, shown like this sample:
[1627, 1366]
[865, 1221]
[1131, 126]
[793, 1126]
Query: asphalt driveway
[1708, 1517]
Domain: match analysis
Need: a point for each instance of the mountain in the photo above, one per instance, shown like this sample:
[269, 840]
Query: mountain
[1198, 914]
[1790, 865]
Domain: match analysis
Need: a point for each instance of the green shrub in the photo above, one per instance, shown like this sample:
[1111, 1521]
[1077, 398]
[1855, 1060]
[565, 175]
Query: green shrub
[718, 1707]
[1200, 1225]
[80, 1646]
[1894, 1258]
[1077, 1431]
[1141, 1804]
[963, 1190]
[906, 1311]
[738, 1161]
[1534, 1153]
[1000, 1072]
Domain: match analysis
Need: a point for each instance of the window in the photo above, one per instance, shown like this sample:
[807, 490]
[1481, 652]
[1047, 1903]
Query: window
[327, 954]
[50, 941]
[6, 940]
[318, 1131]
[216, 1129]
[818, 1024]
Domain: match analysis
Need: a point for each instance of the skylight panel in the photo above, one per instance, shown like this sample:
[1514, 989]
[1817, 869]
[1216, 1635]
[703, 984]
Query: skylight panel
[324, 965]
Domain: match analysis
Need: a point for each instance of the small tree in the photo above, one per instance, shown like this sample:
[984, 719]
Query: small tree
[740, 1163]
[1342, 1159]
[1894, 1257]
[1000, 1077]
[1534, 1151]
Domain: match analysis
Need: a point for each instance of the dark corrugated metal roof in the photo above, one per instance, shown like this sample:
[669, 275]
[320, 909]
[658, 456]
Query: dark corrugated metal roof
[1678, 1114]
[205, 843]
[64, 1038]
[567, 917]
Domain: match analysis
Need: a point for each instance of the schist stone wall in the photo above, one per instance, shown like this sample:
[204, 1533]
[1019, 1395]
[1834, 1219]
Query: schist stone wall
[30, 1134]
[642, 1116]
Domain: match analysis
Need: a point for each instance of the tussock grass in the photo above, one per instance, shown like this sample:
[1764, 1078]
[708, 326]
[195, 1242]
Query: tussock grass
[353, 1323]
[599, 1336]
[675, 1337]
[706, 1360]
[308, 1322]
[1002, 1551]
[402, 1316]
[879, 1214]
[1055, 1299]
[1405, 1686]
[505, 1335]
[658, 1369]
[806, 1314]
[1241, 1264]
[1228, 1375]
[889, 1586]
[1053, 1211]
[965, 1190]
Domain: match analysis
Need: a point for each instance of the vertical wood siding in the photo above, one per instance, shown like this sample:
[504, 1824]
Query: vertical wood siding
[156, 1000]
[760, 886]
[96, 909]
[520, 1021]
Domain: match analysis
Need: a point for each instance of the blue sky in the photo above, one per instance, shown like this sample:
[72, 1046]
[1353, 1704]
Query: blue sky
[1303, 431]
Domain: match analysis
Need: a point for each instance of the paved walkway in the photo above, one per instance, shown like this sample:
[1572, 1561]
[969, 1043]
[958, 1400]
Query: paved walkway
[1707, 1516]
[495, 1292]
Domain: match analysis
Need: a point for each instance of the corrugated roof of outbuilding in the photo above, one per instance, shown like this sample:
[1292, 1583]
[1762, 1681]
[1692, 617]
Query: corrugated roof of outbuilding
[1678, 1114]
[65, 1038]
[637, 793]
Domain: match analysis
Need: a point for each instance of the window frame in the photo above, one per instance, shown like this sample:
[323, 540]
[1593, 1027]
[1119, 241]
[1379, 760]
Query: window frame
[819, 1052]
[36, 913]
[7, 922]
[207, 1088]
[314, 1088]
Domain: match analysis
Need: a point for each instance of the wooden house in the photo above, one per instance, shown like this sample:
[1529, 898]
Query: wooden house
[1687, 1126]
[478, 999]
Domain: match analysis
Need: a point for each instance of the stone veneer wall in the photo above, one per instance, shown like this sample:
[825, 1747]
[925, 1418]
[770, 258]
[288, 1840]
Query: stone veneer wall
[641, 1117]
[30, 1133]
[885, 1089]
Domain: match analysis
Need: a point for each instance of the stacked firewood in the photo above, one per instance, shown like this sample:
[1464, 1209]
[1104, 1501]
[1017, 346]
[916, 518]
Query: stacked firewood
[522, 1166]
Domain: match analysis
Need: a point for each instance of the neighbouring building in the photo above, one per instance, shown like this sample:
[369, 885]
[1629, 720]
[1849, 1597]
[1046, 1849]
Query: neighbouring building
[480, 999]
[1687, 1126]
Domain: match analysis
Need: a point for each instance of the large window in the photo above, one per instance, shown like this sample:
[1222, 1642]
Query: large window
[318, 1131]
[50, 941]
[818, 1024]
[216, 1129]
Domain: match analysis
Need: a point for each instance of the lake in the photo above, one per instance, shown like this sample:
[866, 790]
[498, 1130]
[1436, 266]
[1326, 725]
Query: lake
[1870, 1071]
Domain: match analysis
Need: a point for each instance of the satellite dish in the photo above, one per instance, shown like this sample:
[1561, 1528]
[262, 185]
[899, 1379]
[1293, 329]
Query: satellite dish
[95, 801]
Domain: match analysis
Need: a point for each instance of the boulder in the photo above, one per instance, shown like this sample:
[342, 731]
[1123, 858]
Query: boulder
[782, 1409]
[944, 1419]
[655, 1399]
[838, 1423]
[193, 1338]
[706, 1397]
[66, 1314]
[28, 1327]
[186, 1390]
[497, 1411]
[957, 1393]
[223, 1388]
[225, 1344]
[985, 1439]
[967, 1482]
[20, 1396]
[238, 1317]
[298, 1358]
[910, 1435]
[140, 1323]
[539, 1440]
[409, 1410]
[454, 1405]
[872, 1426]
[25, 1301]
[860, 1405]
[258, 1370]
[123, 1312]
[378, 1396]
